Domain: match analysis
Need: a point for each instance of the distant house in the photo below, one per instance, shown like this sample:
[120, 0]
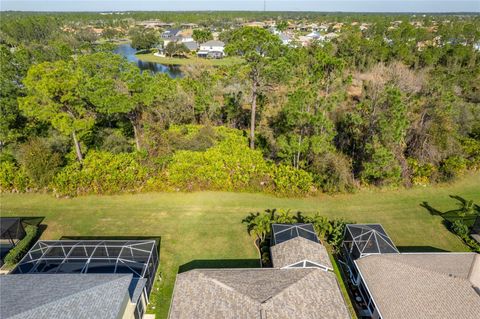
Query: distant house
[171, 33]
[191, 45]
[189, 25]
[300, 285]
[212, 49]
[394, 285]
[286, 40]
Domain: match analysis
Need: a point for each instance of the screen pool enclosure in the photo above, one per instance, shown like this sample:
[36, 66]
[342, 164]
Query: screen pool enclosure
[364, 239]
[137, 257]
[284, 232]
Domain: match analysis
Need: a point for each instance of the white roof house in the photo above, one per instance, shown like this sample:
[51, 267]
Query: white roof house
[212, 48]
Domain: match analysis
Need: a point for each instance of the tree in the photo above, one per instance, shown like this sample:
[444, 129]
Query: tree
[282, 25]
[202, 36]
[54, 95]
[258, 226]
[144, 40]
[257, 46]
[175, 49]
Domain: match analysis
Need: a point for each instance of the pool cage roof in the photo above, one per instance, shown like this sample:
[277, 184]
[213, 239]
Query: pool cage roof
[11, 228]
[284, 232]
[364, 239]
[138, 257]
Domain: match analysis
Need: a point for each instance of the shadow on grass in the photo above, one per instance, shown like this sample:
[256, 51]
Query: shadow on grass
[420, 249]
[219, 263]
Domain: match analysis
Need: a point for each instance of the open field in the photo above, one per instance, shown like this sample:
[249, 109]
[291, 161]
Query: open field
[191, 60]
[205, 229]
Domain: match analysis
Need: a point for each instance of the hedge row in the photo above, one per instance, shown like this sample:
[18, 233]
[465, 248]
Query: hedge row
[229, 165]
[22, 247]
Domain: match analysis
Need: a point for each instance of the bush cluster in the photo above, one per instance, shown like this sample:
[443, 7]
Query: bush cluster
[205, 159]
[17, 252]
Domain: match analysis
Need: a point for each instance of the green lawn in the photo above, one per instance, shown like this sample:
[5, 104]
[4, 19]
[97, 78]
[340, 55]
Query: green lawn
[191, 60]
[197, 227]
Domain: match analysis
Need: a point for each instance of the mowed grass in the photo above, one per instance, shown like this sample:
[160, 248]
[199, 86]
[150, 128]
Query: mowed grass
[197, 227]
[190, 60]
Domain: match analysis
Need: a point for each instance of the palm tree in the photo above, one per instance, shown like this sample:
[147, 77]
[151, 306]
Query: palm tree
[321, 224]
[258, 226]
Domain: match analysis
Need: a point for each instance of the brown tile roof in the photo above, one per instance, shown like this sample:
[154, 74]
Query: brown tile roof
[257, 293]
[424, 286]
[298, 249]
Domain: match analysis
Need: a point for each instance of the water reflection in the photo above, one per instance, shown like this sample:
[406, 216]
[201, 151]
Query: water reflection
[128, 52]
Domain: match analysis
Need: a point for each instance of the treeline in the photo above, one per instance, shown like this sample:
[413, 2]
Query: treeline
[362, 110]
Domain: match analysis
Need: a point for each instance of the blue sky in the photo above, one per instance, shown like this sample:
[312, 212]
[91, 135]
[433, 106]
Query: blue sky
[252, 5]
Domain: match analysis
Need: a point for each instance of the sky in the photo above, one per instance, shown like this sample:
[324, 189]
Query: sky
[245, 5]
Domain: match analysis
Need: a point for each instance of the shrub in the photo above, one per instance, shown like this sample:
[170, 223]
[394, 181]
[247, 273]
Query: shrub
[421, 174]
[101, 173]
[289, 180]
[333, 172]
[382, 168]
[459, 228]
[453, 167]
[22, 247]
[13, 178]
[229, 165]
[39, 161]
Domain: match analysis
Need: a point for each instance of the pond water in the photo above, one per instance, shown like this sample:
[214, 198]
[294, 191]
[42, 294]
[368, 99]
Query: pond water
[128, 52]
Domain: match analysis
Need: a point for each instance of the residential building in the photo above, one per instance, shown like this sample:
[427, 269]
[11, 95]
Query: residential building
[81, 279]
[300, 285]
[212, 49]
[394, 285]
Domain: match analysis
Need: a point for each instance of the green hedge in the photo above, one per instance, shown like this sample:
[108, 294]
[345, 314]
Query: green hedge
[101, 173]
[13, 178]
[17, 252]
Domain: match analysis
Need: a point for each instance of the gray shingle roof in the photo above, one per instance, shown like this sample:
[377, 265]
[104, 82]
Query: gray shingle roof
[66, 296]
[298, 249]
[426, 285]
[257, 293]
[214, 43]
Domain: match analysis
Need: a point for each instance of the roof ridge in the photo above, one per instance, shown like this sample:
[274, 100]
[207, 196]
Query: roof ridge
[311, 271]
[223, 285]
[443, 274]
[71, 295]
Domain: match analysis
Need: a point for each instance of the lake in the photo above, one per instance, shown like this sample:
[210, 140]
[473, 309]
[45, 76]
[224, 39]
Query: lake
[128, 52]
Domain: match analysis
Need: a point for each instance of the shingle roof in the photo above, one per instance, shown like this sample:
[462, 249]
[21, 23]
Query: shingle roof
[213, 43]
[257, 293]
[66, 296]
[426, 285]
[298, 249]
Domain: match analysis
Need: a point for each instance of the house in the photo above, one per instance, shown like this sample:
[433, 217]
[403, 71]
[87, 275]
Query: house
[81, 279]
[191, 45]
[212, 49]
[300, 285]
[68, 296]
[171, 33]
[409, 285]
[189, 25]
[286, 40]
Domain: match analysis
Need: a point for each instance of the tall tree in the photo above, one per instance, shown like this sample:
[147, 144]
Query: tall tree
[202, 36]
[54, 95]
[258, 47]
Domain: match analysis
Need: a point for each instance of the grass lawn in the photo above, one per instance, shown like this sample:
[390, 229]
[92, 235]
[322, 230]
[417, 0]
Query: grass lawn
[205, 229]
[191, 60]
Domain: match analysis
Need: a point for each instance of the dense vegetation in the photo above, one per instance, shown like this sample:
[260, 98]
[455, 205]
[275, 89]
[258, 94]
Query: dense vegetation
[21, 248]
[369, 108]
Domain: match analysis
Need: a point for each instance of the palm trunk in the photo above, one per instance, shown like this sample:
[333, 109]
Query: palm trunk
[77, 147]
[252, 117]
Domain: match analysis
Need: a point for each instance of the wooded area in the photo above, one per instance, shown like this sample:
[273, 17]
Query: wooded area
[369, 108]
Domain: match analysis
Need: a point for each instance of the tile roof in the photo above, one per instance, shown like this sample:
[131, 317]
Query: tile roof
[298, 249]
[66, 296]
[257, 293]
[423, 285]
